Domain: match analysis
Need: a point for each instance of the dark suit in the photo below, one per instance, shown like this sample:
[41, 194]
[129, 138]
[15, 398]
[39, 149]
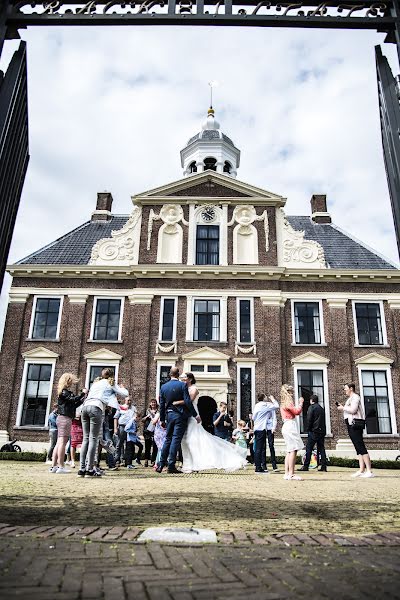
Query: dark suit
[316, 428]
[176, 418]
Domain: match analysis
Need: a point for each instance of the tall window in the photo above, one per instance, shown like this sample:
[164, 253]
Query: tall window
[207, 245]
[309, 382]
[369, 323]
[376, 401]
[206, 320]
[107, 320]
[45, 321]
[244, 321]
[307, 324]
[168, 317]
[164, 374]
[95, 371]
[245, 393]
[37, 392]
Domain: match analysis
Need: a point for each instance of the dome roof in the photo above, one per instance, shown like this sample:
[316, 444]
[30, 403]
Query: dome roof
[210, 130]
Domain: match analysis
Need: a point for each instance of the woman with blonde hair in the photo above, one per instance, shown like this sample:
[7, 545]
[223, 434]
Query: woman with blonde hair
[67, 403]
[290, 433]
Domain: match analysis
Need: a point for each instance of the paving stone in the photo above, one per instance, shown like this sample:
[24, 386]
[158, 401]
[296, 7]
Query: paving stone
[131, 534]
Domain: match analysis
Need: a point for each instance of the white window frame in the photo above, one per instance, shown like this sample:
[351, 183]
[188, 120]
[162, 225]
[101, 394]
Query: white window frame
[27, 362]
[321, 320]
[163, 298]
[121, 317]
[314, 367]
[379, 367]
[45, 296]
[238, 300]
[245, 364]
[383, 322]
[223, 302]
[162, 363]
[221, 221]
[91, 362]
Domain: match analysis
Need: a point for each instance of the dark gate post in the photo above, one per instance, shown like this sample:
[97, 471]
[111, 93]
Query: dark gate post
[14, 149]
[389, 109]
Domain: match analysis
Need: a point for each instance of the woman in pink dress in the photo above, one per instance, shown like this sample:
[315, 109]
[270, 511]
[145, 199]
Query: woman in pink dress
[290, 432]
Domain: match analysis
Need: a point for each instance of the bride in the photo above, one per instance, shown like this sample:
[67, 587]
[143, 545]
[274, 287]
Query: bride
[201, 450]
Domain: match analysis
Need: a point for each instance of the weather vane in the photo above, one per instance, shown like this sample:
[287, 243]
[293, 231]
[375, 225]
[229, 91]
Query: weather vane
[212, 84]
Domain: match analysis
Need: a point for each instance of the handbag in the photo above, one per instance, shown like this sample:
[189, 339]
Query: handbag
[358, 424]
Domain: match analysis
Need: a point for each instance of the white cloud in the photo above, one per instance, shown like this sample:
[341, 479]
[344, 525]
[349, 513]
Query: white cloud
[110, 108]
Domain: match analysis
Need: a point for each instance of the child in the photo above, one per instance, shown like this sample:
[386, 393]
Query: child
[121, 418]
[132, 440]
[52, 425]
[239, 436]
[76, 435]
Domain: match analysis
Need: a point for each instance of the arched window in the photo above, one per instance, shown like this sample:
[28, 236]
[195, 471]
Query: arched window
[210, 163]
[227, 167]
[192, 167]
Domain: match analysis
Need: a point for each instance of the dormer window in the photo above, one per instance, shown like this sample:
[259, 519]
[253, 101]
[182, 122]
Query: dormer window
[210, 163]
[193, 167]
[227, 167]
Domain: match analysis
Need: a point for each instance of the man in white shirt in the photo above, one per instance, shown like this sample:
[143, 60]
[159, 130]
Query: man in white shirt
[264, 417]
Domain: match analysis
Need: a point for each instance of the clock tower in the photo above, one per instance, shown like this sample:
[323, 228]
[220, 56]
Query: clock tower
[210, 149]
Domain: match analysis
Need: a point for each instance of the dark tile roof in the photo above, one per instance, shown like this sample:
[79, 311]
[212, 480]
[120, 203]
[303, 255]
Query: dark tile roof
[341, 250]
[75, 247]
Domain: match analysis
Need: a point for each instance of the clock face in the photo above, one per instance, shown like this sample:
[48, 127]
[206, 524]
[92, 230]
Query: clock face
[208, 214]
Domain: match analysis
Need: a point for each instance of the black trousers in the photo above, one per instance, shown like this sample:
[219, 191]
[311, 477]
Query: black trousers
[260, 447]
[314, 438]
[356, 436]
[130, 452]
[150, 449]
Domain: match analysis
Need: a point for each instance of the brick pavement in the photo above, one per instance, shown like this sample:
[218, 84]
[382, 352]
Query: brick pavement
[57, 568]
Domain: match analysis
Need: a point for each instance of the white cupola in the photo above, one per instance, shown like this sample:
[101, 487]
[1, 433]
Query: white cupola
[210, 149]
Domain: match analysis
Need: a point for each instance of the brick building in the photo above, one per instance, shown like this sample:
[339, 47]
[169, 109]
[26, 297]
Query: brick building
[209, 273]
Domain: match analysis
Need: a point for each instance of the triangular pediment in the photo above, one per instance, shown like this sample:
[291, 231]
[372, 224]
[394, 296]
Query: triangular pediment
[373, 358]
[209, 184]
[309, 358]
[103, 354]
[40, 352]
[205, 353]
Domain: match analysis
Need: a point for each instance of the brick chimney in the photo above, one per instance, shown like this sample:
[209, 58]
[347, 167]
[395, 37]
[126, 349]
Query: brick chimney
[319, 213]
[103, 207]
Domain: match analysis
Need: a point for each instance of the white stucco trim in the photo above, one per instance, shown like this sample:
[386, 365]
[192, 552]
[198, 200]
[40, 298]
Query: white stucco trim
[36, 361]
[32, 321]
[251, 300]
[316, 366]
[121, 316]
[379, 367]
[321, 320]
[175, 299]
[245, 364]
[383, 321]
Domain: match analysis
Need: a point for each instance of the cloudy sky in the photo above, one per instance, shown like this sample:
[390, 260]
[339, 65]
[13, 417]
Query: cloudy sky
[110, 108]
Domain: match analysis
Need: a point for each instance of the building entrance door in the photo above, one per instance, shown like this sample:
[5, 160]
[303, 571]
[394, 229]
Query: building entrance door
[207, 408]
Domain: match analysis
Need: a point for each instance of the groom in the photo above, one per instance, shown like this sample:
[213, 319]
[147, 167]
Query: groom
[176, 418]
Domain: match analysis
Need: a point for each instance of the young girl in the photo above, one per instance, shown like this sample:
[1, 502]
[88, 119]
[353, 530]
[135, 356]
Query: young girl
[150, 447]
[159, 437]
[52, 425]
[76, 435]
[290, 433]
[67, 404]
[132, 440]
[239, 437]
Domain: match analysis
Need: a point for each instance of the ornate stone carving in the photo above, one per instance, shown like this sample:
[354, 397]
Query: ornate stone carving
[245, 349]
[166, 349]
[171, 215]
[122, 248]
[296, 251]
[245, 215]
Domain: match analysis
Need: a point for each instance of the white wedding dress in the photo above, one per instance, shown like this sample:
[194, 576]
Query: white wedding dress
[202, 451]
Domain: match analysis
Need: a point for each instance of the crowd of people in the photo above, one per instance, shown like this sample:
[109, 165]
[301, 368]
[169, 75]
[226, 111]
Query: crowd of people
[105, 417]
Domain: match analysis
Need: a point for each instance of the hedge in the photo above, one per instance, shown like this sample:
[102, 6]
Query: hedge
[333, 461]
